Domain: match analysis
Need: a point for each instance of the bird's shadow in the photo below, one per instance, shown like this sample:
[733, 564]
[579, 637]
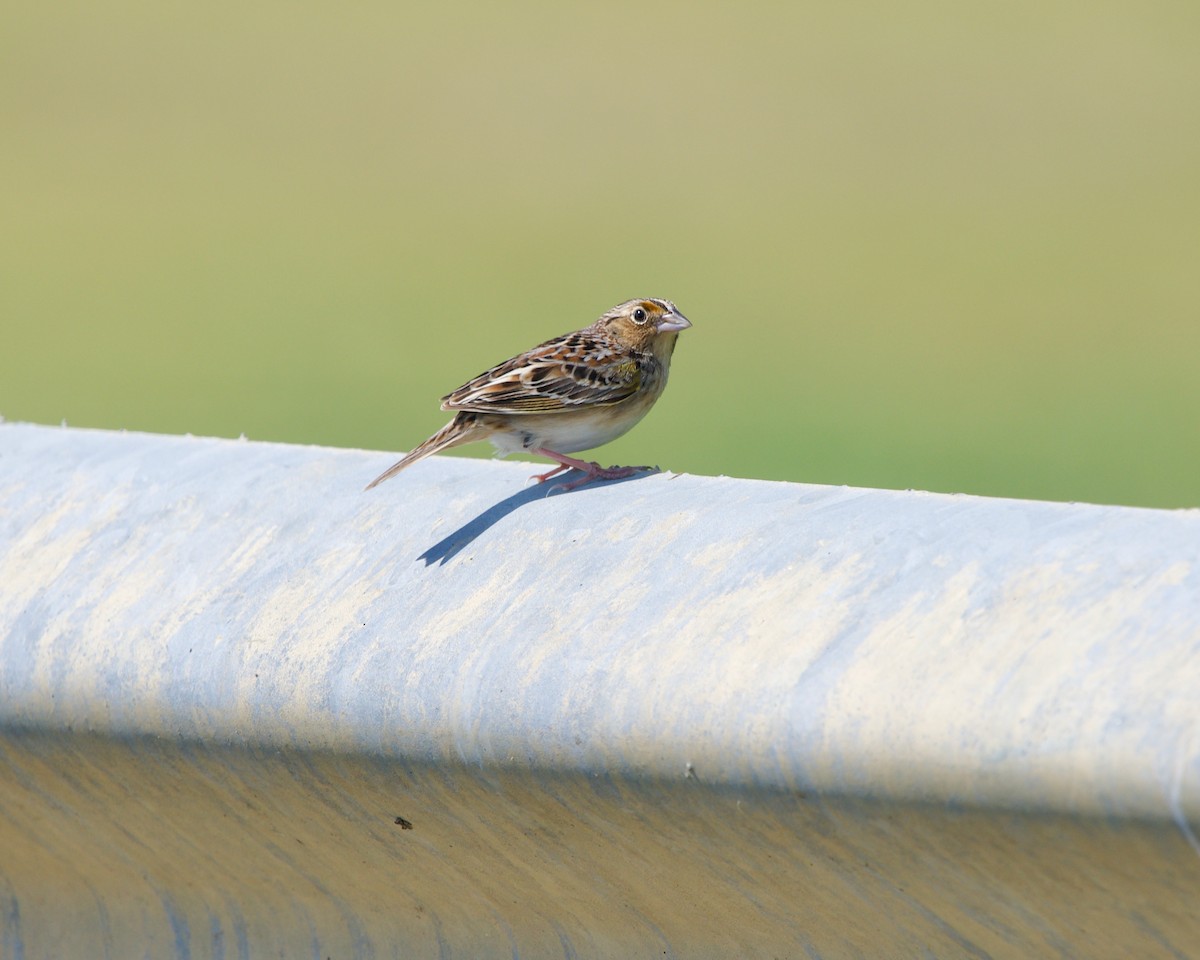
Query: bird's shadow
[445, 550]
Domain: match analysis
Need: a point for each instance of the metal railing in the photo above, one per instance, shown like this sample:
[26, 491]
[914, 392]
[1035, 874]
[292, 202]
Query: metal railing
[247, 709]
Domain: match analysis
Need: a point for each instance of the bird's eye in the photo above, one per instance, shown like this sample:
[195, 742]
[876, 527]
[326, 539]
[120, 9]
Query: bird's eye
[639, 315]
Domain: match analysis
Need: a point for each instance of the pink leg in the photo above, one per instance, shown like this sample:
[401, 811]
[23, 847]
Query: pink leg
[543, 477]
[591, 471]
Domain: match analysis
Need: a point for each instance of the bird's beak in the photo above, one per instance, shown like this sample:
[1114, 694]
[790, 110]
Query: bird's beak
[672, 323]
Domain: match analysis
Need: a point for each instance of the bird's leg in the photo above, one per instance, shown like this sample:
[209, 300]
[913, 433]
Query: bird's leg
[543, 477]
[591, 470]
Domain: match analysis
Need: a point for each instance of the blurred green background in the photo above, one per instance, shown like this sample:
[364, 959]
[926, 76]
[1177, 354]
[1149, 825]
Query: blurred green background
[931, 245]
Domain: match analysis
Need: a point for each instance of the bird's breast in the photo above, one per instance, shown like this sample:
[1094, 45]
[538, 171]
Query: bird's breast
[573, 430]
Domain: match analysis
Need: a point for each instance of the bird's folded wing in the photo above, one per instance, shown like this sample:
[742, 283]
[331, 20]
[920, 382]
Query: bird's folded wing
[560, 375]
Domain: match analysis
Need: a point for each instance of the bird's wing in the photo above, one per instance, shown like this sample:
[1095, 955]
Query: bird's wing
[567, 373]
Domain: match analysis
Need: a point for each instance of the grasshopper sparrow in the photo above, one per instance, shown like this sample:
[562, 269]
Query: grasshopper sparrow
[572, 393]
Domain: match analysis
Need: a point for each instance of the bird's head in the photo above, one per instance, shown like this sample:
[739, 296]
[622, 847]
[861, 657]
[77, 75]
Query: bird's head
[645, 324]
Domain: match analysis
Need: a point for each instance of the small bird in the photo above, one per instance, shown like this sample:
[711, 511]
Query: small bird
[572, 393]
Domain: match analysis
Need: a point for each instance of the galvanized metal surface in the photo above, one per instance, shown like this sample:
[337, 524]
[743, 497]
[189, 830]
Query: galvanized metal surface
[677, 716]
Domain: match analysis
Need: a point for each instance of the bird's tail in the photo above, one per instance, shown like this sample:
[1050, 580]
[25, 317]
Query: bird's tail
[464, 428]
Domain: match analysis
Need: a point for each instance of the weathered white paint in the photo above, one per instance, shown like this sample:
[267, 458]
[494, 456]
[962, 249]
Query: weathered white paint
[674, 714]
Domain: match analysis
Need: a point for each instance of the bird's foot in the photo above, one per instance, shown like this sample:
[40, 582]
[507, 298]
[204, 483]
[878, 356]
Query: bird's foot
[593, 471]
[543, 477]
[590, 470]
